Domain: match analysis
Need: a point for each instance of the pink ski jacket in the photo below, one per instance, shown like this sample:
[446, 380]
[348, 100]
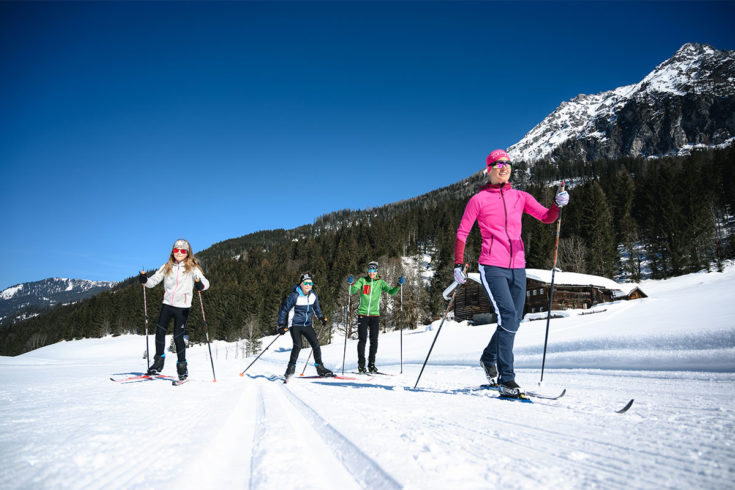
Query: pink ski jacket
[498, 210]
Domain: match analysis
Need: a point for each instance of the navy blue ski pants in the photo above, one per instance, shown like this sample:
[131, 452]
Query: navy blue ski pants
[506, 289]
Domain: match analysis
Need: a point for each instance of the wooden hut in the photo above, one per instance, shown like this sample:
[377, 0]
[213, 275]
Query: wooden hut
[571, 291]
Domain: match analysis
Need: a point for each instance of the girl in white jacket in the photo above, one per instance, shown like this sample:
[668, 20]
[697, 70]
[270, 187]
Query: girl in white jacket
[180, 275]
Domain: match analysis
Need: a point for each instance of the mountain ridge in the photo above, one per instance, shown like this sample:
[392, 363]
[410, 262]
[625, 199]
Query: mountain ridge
[47, 293]
[686, 102]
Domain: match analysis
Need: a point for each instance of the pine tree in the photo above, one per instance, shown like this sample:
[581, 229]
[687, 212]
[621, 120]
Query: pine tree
[598, 232]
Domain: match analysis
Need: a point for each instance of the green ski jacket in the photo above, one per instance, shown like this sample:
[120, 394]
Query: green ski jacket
[370, 292]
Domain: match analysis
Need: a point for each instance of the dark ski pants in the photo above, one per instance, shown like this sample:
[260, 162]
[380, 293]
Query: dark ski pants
[506, 289]
[307, 331]
[364, 324]
[179, 315]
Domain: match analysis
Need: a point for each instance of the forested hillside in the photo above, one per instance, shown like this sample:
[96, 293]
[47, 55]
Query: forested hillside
[627, 218]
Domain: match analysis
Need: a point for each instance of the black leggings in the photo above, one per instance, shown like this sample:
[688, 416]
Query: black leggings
[365, 323]
[296, 332]
[179, 315]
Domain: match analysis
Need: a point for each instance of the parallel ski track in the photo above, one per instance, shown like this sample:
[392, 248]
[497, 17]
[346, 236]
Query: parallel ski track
[550, 441]
[258, 434]
[364, 469]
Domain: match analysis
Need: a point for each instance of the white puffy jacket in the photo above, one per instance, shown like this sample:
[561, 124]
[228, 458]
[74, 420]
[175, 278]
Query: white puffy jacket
[178, 285]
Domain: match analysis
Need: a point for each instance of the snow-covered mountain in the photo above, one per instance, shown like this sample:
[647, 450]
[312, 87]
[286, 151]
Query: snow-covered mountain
[687, 102]
[48, 292]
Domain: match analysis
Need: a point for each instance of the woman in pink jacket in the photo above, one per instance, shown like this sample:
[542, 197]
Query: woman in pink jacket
[498, 209]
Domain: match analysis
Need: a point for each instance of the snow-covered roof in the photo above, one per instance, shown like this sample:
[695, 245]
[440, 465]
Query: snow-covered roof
[576, 279]
[562, 278]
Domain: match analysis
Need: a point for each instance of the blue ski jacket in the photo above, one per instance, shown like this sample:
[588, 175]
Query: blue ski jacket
[299, 308]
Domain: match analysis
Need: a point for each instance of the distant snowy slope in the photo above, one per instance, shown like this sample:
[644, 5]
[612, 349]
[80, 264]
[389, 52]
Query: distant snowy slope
[686, 102]
[48, 292]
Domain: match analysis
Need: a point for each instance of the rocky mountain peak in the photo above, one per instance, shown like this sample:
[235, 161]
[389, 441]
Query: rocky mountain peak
[686, 102]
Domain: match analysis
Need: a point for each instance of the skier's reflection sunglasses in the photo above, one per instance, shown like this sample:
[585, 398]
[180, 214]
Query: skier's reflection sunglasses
[181, 251]
[307, 283]
[500, 164]
[372, 270]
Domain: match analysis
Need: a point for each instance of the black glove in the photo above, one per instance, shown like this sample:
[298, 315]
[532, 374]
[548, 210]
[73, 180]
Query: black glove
[281, 329]
[199, 285]
[324, 321]
[142, 278]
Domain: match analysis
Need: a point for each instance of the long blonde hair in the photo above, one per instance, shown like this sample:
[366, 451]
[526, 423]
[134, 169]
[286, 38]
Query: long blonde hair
[190, 262]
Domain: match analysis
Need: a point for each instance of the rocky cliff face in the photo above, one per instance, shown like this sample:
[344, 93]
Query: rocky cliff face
[687, 102]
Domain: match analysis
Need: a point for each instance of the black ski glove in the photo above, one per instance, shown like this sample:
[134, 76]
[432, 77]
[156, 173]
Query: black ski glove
[142, 278]
[199, 285]
[324, 321]
[281, 329]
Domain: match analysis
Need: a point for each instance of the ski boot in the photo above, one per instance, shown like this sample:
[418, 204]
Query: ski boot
[371, 368]
[361, 369]
[182, 370]
[510, 389]
[290, 370]
[323, 372]
[157, 365]
[491, 372]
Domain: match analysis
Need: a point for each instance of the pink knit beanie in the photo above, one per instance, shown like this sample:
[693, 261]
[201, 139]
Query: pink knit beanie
[495, 156]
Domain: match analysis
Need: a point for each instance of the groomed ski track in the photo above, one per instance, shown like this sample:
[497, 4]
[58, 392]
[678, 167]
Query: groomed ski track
[279, 426]
[69, 426]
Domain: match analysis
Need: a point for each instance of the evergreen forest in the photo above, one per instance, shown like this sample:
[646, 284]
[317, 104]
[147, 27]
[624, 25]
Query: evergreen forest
[628, 219]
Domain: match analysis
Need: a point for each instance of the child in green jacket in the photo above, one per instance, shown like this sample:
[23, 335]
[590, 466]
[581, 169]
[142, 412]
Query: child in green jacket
[368, 314]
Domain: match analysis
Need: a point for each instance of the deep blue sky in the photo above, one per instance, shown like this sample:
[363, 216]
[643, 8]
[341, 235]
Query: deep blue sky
[124, 126]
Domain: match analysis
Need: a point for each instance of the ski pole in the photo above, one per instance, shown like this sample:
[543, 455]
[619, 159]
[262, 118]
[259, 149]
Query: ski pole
[145, 314]
[263, 352]
[446, 312]
[206, 331]
[347, 327]
[401, 329]
[551, 292]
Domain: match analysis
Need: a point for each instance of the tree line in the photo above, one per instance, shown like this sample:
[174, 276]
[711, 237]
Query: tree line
[628, 218]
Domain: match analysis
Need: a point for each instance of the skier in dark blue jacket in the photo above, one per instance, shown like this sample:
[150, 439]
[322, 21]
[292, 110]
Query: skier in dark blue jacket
[295, 315]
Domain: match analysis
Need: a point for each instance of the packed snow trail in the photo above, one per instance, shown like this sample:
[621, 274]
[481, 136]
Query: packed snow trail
[64, 424]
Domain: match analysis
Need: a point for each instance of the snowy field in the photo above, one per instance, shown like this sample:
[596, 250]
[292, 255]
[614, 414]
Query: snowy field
[64, 424]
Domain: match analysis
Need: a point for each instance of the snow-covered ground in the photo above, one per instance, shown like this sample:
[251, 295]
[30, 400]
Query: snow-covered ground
[64, 424]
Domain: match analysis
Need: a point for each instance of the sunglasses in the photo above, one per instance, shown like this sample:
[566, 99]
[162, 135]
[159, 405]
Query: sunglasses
[181, 251]
[370, 271]
[307, 283]
[500, 164]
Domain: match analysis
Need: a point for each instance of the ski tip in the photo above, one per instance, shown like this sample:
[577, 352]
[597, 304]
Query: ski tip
[563, 392]
[626, 407]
